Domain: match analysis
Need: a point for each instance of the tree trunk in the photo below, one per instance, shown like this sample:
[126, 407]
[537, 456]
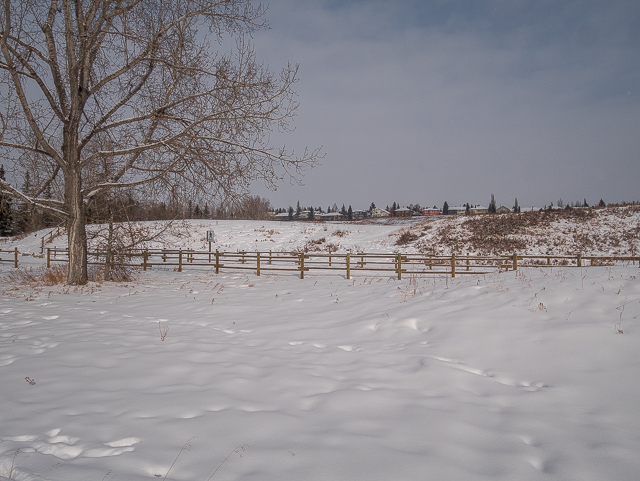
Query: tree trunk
[76, 231]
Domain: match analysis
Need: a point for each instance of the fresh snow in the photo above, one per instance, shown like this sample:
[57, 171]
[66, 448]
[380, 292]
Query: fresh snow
[525, 375]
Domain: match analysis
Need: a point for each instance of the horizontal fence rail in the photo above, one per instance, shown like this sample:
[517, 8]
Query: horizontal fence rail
[9, 256]
[395, 264]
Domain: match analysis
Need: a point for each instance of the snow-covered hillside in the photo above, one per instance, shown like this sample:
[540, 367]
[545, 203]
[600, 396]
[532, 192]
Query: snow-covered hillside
[527, 375]
[609, 231]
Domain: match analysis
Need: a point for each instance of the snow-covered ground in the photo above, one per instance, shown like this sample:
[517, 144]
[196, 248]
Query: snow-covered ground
[525, 375]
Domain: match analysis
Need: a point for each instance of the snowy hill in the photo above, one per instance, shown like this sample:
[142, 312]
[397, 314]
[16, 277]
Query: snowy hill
[608, 231]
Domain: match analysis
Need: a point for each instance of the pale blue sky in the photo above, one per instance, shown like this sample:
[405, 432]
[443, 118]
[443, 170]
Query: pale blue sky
[427, 101]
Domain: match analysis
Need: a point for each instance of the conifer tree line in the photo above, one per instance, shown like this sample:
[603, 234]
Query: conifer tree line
[18, 217]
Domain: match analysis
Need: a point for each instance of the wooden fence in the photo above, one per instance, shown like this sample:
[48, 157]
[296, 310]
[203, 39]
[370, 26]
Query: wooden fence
[9, 256]
[349, 264]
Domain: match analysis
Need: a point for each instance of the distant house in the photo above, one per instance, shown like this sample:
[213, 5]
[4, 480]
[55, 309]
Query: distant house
[402, 212]
[328, 216]
[478, 209]
[473, 210]
[503, 210]
[458, 210]
[283, 216]
[377, 212]
[360, 214]
[427, 211]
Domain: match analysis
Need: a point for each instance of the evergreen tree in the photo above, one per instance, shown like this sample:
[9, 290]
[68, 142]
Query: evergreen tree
[298, 210]
[343, 210]
[25, 212]
[372, 206]
[492, 205]
[467, 210]
[601, 203]
[5, 210]
[312, 214]
[350, 213]
[516, 207]
[445, 208]
[584, 204]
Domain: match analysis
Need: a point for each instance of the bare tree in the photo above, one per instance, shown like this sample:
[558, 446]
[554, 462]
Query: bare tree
[115, 94]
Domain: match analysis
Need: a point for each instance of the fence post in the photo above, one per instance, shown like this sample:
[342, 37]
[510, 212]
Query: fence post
[258, 264]
[453, 265]
[515, 261]
[580, 260]
[145, 255]
[42, 247]
[15, 258]
[301, 265]
[329, 257]
[348, 266]
[217, 261]
[48, 257]
[399, 265]
[467, 262]
[180, 260]
[269, 256]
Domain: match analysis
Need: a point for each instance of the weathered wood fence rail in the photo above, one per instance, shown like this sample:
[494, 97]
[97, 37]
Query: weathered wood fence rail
[10, 256]
[351, 263]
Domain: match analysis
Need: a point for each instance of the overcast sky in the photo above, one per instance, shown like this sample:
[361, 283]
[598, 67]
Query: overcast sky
[422, 101]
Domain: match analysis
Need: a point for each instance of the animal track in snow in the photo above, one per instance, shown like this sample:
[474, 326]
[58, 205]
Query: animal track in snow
[530, 386]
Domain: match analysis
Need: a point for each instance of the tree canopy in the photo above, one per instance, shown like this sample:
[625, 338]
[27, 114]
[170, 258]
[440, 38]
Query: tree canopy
[115, 94]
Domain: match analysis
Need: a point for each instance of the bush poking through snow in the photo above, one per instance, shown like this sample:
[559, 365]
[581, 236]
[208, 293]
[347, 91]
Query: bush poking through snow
[406, 236]
[37, 276]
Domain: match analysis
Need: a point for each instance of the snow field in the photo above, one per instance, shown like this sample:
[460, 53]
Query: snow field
[504, 376]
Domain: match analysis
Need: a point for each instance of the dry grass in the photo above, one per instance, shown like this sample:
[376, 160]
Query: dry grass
[57, 274]
[37, 276]
[559, 231]
[406, 237]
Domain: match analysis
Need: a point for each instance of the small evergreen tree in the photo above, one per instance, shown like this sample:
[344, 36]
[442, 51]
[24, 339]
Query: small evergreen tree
[5, 210]
[516, 207]
[350, 213]
[290, 213]
[585, 204]
[312, 214]
[492, 205]
[601, 203]
[343, 210]
[445, 208]
[372, 206]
